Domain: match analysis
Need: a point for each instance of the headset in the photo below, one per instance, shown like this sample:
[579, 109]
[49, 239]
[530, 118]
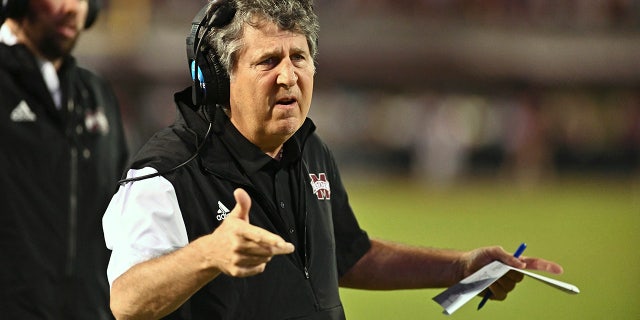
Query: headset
[18, 8]
[210, 79]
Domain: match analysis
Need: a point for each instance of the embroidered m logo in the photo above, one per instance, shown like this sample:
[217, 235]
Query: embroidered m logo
[320, 186]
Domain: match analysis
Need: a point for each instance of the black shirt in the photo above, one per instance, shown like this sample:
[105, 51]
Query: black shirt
[59, 170]
[280, 180]
[328, 239]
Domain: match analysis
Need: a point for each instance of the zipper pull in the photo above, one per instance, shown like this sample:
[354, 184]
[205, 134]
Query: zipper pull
[306, 273]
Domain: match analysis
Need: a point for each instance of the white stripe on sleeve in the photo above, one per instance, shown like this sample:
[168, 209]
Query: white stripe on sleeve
[143, 221]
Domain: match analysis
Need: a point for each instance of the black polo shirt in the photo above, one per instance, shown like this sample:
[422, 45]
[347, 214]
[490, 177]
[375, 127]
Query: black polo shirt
[303, 192]
[279, 180]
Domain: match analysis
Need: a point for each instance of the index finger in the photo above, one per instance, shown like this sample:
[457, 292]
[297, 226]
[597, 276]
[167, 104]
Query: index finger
[267, 239]
[542, 265]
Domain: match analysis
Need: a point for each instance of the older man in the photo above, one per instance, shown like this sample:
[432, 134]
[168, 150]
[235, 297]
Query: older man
[246, 143]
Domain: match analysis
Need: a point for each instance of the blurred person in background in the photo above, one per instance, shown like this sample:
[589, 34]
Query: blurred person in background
[237, 210]
[62, 149]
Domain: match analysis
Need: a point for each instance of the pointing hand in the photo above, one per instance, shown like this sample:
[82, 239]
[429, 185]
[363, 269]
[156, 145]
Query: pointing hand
[240, 249]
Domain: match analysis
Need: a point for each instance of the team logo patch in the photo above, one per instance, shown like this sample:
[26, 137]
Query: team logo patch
[96, 121]
[320, 186]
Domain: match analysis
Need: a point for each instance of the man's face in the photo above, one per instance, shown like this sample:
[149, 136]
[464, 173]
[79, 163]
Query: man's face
[271, 85]
[53, 26]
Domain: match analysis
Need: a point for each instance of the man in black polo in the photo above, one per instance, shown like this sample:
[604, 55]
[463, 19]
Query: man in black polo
[245, 142]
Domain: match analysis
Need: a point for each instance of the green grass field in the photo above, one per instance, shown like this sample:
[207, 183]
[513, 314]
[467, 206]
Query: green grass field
[590, 226]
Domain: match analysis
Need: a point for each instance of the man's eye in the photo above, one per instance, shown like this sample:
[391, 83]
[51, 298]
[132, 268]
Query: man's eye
[267, 62]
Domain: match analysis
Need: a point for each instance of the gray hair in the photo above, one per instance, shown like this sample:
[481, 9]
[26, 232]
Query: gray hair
[291, 15]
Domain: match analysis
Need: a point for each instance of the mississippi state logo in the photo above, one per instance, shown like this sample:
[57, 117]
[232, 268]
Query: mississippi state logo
[320, 186]
[96, 121]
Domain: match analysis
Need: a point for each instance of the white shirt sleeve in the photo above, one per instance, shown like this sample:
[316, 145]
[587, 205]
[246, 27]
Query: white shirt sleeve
[143, 221]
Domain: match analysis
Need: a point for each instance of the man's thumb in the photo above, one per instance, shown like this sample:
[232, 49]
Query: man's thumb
[243, 204]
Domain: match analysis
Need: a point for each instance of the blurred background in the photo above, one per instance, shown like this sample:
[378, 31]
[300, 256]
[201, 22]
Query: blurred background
[456, 123]
[526, 88]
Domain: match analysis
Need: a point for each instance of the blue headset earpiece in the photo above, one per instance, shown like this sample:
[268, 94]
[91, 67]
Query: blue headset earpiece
[210, 79]
[200, 78]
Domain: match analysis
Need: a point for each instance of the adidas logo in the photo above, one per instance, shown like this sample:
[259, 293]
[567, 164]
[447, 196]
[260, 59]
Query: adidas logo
[222, 211]
[22, 113]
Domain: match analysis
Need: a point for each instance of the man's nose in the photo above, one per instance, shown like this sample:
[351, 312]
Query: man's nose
[287, 74]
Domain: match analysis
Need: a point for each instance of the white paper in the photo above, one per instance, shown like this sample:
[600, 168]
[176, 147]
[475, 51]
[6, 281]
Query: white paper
[457, 295]
[566, 287]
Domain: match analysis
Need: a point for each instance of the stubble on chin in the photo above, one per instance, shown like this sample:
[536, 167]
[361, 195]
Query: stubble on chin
[53, 47]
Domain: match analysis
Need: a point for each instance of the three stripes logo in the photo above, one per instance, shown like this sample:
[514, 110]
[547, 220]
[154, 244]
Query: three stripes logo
[22, 113]
[223, 211]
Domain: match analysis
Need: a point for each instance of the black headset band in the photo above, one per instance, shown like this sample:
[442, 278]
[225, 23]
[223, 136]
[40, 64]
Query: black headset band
[210, 79]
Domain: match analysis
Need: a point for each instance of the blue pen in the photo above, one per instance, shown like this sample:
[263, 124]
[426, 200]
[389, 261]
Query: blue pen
[487, 295]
